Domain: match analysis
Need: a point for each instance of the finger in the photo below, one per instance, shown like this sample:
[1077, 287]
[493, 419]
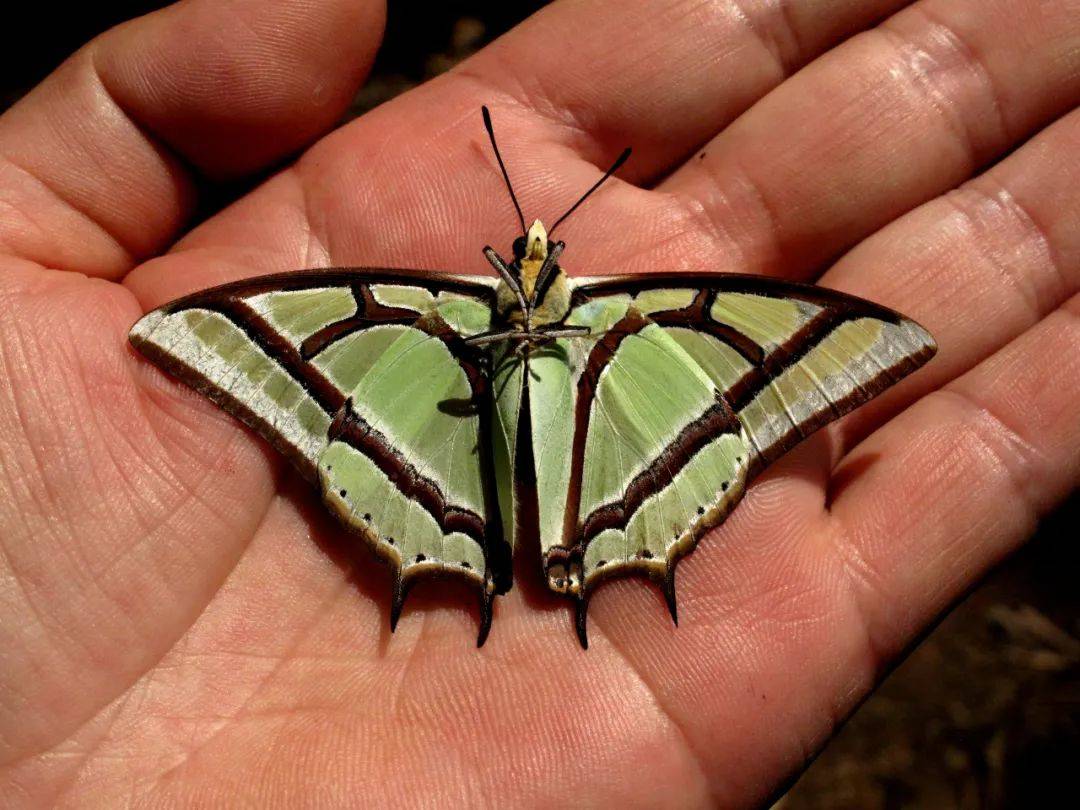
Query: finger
[661, 75]
[95, 164]
[401, 187]
[961, 479]
[347, 203]
[978, 266]
[880, 124]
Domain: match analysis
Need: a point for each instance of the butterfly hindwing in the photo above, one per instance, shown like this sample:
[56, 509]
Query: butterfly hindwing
[364, 380]
[694, 383]
[534, 464]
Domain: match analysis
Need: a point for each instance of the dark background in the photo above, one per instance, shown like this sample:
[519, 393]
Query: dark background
[984, 712]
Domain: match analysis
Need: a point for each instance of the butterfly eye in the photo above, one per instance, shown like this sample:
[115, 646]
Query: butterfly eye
[519, 248]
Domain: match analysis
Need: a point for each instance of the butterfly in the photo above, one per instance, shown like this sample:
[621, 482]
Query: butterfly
[446, 419]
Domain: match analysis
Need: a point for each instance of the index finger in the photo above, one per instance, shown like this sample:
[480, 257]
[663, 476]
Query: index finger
[97, 163]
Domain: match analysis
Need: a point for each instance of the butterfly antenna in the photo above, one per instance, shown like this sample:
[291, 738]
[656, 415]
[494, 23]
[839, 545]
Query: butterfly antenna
[498, 157]
[619, 161]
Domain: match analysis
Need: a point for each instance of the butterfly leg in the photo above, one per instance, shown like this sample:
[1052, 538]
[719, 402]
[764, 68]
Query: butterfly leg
[563, 332]
[547, 272]
[495, 337]
[509, 278]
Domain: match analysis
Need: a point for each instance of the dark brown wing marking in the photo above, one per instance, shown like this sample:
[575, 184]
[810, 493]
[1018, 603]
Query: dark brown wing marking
[368, 312]
[718, 419]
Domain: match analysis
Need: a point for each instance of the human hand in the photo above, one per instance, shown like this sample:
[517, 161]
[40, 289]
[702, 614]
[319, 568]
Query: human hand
[180, 621]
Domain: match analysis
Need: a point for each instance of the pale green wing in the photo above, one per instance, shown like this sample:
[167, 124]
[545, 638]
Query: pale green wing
[363, 379]
[701, 382]
[532, 469]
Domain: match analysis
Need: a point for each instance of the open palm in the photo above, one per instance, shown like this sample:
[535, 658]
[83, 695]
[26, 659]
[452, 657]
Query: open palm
[181, 622]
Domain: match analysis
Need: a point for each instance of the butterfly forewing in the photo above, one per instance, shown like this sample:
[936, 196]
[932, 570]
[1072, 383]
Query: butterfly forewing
[364, 380]
[699, 382]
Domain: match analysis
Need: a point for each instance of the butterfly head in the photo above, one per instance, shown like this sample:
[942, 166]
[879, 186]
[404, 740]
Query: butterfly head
[534, 288]
[536, 265]
[534, 245]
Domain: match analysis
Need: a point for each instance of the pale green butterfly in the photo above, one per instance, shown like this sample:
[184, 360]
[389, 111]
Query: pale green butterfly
[446, 418]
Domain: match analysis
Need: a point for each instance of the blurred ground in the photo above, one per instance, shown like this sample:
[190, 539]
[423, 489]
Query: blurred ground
[985, 713]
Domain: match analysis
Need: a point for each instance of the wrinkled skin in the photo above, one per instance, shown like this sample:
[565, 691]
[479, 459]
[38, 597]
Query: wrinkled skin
[180, 622]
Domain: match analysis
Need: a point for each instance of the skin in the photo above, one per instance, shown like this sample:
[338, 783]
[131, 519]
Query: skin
[181, 623]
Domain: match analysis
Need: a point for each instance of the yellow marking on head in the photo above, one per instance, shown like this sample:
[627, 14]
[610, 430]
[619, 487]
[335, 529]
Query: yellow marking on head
[536, 242]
